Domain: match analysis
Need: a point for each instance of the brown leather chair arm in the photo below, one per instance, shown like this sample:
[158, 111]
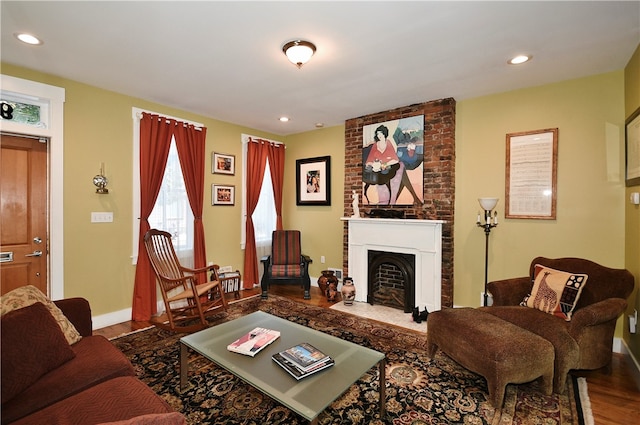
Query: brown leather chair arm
[509, 291]
[595, 314]
[78, 311]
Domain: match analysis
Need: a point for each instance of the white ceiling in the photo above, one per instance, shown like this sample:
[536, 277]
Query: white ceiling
[223, 59]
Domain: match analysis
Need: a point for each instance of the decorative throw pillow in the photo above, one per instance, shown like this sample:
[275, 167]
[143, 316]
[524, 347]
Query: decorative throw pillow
[32, 345]
[27, 295]
[554, 291]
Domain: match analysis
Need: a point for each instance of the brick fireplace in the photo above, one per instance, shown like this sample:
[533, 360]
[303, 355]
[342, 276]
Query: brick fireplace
[438, 180]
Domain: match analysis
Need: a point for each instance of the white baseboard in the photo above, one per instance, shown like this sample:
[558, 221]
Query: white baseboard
[109, 319]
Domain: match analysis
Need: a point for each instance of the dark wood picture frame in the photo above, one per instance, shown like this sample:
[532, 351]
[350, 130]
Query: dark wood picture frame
[313, 181]
[531, 174]
[632, 149]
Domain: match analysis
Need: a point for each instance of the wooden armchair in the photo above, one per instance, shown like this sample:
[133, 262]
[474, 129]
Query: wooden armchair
[286, 264]
[186, 301]
[583, 342]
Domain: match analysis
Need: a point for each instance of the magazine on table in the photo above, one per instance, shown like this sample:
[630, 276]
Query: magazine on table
[305, 356]
[253, 342]
[295, 371]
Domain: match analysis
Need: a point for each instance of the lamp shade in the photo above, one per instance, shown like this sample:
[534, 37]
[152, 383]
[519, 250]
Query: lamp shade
[299, 51]
[488, 204]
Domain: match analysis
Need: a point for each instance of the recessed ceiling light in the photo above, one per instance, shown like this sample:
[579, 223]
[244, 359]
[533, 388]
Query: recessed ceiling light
[28, 38]
[519, 59]
[319, 124]
[284, 119]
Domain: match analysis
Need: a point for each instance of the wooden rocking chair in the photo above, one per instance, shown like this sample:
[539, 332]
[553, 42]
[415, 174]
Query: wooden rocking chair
[186, 302]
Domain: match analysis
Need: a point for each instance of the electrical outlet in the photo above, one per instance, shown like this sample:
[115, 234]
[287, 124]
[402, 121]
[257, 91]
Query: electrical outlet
[633, 322]
[322, 259]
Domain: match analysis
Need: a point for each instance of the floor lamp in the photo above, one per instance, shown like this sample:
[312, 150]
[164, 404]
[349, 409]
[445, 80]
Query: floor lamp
[490, 221]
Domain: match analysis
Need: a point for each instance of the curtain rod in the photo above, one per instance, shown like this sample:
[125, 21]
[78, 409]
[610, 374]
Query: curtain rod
[178, 121]
[259, 140]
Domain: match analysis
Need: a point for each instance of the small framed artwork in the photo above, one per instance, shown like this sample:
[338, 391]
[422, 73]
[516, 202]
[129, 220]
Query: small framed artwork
[223, 164]
[222, 194]
[531, 174]
[313, 181]
[632, 149]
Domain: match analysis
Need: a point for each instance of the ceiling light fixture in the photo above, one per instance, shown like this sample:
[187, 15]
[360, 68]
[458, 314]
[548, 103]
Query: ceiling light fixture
[299, 51]
[28, 38]
[519, 59]
[284, 119]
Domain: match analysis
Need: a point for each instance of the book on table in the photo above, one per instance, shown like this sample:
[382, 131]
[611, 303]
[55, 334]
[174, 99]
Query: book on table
[302, 360]
[305, 356]
[253, 342]
[294, 370]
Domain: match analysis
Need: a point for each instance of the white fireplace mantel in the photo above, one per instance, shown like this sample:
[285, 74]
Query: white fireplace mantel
[422, 238]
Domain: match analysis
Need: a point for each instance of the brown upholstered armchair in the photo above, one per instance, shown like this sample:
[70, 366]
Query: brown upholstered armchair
[584, 342]
[286, 264]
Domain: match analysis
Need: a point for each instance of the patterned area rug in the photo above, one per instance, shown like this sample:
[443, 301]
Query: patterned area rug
[420, 390]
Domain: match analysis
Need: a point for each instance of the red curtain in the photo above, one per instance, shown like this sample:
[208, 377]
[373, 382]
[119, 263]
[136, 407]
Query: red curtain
[190, 143]
[276, 165]
[155, 141]
[257, 153]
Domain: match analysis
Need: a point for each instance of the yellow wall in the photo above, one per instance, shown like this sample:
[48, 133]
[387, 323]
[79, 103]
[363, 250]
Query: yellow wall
[99, 128]
[590, 205]
[589, 113]
[632, 212]
[321, 225]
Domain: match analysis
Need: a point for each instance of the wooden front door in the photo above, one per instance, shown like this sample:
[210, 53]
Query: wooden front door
[23, 213]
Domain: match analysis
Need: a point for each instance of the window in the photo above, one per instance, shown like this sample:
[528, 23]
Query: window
[264, 216]
[172, 211]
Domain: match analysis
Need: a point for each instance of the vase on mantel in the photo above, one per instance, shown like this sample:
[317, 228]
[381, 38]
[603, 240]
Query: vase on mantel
[348, 291]
[328, 284]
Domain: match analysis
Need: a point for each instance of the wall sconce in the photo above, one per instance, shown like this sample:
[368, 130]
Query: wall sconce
[490, 221]
[100, 181]
[299, 51]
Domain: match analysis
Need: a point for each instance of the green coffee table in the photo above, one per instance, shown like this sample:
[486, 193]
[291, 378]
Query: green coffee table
[307, 397]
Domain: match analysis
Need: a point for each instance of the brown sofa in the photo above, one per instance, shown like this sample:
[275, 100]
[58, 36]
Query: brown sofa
[583, 342]
[88, 382]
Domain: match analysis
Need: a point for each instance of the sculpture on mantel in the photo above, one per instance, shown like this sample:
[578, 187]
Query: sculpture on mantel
[354, 204]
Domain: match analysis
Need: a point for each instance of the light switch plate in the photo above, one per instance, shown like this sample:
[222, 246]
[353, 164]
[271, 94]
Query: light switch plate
[102, 217]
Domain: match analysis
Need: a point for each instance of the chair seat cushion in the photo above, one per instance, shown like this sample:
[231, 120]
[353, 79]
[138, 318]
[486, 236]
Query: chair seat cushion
[291, 270]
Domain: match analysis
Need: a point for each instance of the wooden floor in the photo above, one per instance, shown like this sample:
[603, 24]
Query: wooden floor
[615, 397]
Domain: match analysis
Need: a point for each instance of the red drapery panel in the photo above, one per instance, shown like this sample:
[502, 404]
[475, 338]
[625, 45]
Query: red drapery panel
[276, 166]
[155, 141]
[257, 153]
[190, 143]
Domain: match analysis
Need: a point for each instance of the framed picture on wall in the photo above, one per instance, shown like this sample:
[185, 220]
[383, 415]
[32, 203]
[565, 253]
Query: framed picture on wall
[531, 174]
[632, 149]
[223, 194]
[313, 181]
[223, 164]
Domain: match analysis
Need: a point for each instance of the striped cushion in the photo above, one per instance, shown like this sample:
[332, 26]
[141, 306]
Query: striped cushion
[291, 270]
[286, 247]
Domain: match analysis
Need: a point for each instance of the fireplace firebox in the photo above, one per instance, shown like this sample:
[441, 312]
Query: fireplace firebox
[391, 279]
